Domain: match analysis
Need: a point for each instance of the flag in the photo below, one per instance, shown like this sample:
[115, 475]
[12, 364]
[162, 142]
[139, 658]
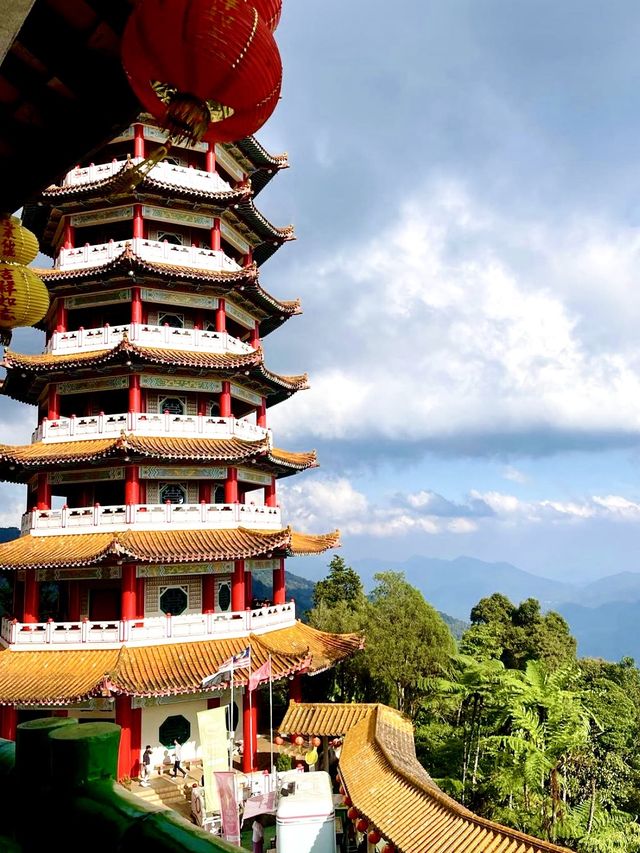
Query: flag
[263, 673]
[223, 672]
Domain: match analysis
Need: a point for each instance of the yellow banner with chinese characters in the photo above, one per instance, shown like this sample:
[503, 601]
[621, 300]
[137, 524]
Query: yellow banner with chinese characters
[214, 740]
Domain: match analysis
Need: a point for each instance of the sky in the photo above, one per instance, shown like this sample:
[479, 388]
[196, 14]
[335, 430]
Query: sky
[465, 186]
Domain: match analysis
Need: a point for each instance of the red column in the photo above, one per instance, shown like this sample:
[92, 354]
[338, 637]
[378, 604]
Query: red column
[8, 722]
[202, 404]
[250, 732]
[138, 221]
[270, 497]
[31, 597]
[215, 235]
[231, 486]
[279, 590]
[128, 606]
[69, 234]
[136, 741]
[210, 158]
[53, 405]
[43, 499]
[61, 316]
[221, 316]
[261, 414]
[135, 394]
[74, 601]
[248, 259]
[140, 598]
[132, 484]
[208, 593]
[204, 492]
[138, 140]
[237, 586]
[225, 400]
[130, 722]
[295, 689]
[248, 590]
[136, 305]
[255, 336]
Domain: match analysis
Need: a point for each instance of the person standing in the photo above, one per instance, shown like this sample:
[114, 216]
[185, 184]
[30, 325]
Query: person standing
[177, 757]
[257, 835]
[146, 762]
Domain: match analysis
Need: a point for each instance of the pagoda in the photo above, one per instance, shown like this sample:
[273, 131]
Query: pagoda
[152, 474]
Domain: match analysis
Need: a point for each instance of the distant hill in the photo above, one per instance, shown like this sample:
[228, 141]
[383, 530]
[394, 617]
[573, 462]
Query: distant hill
[454, 586]
[609, 631]
[456, 626]
[8, 533]
[300, 589]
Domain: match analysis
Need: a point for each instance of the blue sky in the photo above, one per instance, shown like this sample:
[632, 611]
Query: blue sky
[465, 186]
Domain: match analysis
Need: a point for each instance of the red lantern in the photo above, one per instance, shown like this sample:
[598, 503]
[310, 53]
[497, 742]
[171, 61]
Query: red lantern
[341, 789]
[316, 742]
[278, 740]
[388, 848]
[353, 813]
[362, 825]
[206, 69]
[299, 740]
[347, 800]
[374, 836]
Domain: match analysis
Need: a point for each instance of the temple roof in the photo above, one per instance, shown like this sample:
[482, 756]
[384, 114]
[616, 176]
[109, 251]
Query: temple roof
[243, 284]
[23, 458]
[26, 374]
[323, 718]
[61, 677]
[261, 165]
[396, 795]
[146, 546]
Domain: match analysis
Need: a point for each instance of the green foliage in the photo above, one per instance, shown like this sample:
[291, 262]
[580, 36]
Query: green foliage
[342, 585]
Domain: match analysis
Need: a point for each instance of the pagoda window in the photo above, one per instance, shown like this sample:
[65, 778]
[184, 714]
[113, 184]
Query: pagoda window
[174, 599]
[171, 237]
[214, 410]
[174, 493]
[176, 321]
[172, 405]
[176, 161]
[223, 595]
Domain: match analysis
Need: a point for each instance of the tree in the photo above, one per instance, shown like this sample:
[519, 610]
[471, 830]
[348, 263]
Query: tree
[342, 584]
[406, 641]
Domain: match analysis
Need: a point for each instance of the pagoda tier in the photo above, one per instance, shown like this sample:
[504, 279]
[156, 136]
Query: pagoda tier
[28, 376]
[214, 180]
[241, 288]
[65, 677]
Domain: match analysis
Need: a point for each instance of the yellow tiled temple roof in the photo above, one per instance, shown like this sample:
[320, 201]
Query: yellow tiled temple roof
[159, 447]
[324, 718]
[62, 677]
[195, 545]
[392, 790]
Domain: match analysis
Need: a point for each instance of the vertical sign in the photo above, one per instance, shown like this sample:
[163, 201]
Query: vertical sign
[214, 741]
[228, 806]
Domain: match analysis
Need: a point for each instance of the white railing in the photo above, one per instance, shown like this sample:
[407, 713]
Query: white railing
[149, 250]
[150, 517]
[168, 173]
[177, 426]
[103, 337]
[150, 629]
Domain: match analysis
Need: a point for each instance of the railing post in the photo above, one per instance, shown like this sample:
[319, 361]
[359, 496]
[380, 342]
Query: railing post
[96, 514]
[100, 423]
[209, 621]
[72, 425]
[84, 630]
[48, 631]
[13, 634]
[64, 516]
[203, 511]
[168, 627]
[123, 630]
[167, 511]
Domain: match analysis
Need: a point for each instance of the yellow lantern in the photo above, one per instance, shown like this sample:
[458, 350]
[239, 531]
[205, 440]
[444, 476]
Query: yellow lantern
[24, 299]
[17, 244]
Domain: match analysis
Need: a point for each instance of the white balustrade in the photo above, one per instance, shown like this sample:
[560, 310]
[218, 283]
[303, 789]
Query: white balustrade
[163, 252]
[169, 173]
[176, 426]
[148, 630]
[154, 517]
[106, 337]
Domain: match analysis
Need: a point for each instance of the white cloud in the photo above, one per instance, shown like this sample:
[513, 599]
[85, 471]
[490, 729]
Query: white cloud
[458, 322]
[513, 474]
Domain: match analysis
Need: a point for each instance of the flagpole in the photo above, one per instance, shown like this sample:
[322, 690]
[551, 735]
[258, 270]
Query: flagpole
[271, 711]
[231, 710]
[250, 715]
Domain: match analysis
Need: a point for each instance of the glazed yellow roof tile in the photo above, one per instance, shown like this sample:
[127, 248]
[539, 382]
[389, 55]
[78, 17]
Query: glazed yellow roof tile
[325, 649]
[387, 784]
[323, 718]
[61, 677]
[160, 447]
[195, 545]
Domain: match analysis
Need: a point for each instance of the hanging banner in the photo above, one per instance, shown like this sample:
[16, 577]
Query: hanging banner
[226, 783]
[214, 740]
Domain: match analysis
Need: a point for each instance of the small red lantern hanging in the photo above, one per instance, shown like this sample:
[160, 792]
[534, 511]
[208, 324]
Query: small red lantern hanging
[347, 800]
[353, 813]
[316, 742]
[388, 848]
[362, 825]
[206, 69]
[299, 740]
[374, 836]
[278, 740]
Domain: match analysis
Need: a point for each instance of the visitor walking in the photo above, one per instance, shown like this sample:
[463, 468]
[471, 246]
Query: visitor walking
[146, 763]
[257, 835]
[177, 757]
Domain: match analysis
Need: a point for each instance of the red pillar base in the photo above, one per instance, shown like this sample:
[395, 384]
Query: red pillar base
[8, 722]
[130, 721]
